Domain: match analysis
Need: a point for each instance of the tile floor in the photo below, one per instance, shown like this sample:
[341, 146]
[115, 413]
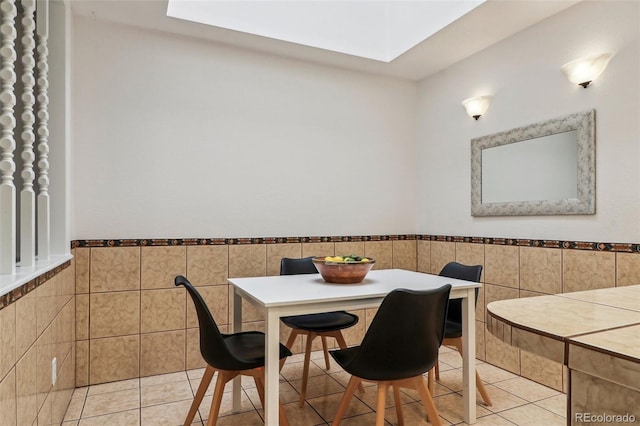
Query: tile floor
[165, 399]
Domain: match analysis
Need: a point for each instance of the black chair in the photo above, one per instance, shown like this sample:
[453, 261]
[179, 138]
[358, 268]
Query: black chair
[400, 346]
[323, 325]
[228, 354]
[453, 329]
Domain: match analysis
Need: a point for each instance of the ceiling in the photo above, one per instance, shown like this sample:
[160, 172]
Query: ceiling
[481, 27]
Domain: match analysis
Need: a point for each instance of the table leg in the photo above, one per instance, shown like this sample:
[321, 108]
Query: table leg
[236, 327]
[272, 368]
[469, 356]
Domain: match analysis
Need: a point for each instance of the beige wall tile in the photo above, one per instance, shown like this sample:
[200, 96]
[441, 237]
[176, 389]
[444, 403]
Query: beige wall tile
[162, 310]
[590, 394]
[470, 254]
[248, 260]
[82, 363]
[217, 299]
[493, 293]
[113, 358]
[497, 352]
[480, 304]
[114, 314]
[44, 353]
[27, 402]
[541, 269]
[114, 269]
[501, 354]
[7, 339]
[193, 357]
[82, 316]
[404, 254]
[423, 250]
[275, 253]
[587, 270]
[381, 251]
[627, 269]
[541, 370]
[442, 252]
[160, 265]
[82, 256]
[48, 303]
[349, 247]
[162, 352]
[502, 265]
[208, 265]
[8, 398]
[353, 335]
[318, 249]
[480, 345]
[26, 330]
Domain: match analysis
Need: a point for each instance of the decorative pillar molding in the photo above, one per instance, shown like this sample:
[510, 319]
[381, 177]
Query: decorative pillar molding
[27, 195]
[43, 203]
[7, 142]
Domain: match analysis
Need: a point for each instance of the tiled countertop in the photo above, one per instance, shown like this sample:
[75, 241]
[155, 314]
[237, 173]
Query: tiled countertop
[605, 320]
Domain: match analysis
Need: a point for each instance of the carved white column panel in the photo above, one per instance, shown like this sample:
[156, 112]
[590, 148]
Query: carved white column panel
[27, 195]
[43, 149]
[7, 142]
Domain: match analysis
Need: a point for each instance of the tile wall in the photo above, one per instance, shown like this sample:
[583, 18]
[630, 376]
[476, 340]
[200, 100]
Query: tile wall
[37, 326]
[132, 321]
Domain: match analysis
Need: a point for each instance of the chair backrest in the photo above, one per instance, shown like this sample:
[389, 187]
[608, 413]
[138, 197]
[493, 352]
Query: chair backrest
[212, 345]
[461, 272]
[404, 336]
[290, 266]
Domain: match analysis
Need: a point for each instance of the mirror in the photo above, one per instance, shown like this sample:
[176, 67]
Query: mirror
[545, 168]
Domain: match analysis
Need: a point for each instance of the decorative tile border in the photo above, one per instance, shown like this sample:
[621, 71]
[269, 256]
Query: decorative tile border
[14, 295]
[236, 241]
[572, 245]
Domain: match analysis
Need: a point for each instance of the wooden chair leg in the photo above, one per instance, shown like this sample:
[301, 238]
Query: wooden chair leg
[292, 338]
[381, 402]
[305, 368]
[427, 402]
[396, 399]
[223, 378]
[325, 350]
[346, 398]
[202, 389]
[259, 379]
[437, 370]
[483, 391]
[430, 383]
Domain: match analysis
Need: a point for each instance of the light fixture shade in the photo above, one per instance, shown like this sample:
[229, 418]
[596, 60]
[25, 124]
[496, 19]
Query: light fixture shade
[584, 71]
[477, 106]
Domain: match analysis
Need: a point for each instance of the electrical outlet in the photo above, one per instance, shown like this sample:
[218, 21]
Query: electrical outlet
[54, 371]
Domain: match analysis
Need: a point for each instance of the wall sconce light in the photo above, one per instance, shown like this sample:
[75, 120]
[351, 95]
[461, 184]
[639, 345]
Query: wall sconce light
[584, 71]
[477, 106]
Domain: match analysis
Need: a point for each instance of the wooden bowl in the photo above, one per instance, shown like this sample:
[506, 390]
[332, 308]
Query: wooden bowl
[343, 272]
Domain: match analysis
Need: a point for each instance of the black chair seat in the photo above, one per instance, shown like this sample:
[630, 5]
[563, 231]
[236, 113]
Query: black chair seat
[249, 347]
[326, 321]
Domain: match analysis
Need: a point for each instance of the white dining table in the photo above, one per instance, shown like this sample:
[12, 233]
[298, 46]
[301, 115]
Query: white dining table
[283, 295]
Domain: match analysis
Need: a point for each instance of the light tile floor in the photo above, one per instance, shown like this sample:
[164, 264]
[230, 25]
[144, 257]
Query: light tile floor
[165, 399]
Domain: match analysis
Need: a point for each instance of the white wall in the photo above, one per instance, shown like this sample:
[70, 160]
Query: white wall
[523, 73]
[176, 137]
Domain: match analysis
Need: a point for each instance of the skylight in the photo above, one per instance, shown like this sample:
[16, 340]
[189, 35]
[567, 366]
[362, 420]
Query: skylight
[376, 29]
